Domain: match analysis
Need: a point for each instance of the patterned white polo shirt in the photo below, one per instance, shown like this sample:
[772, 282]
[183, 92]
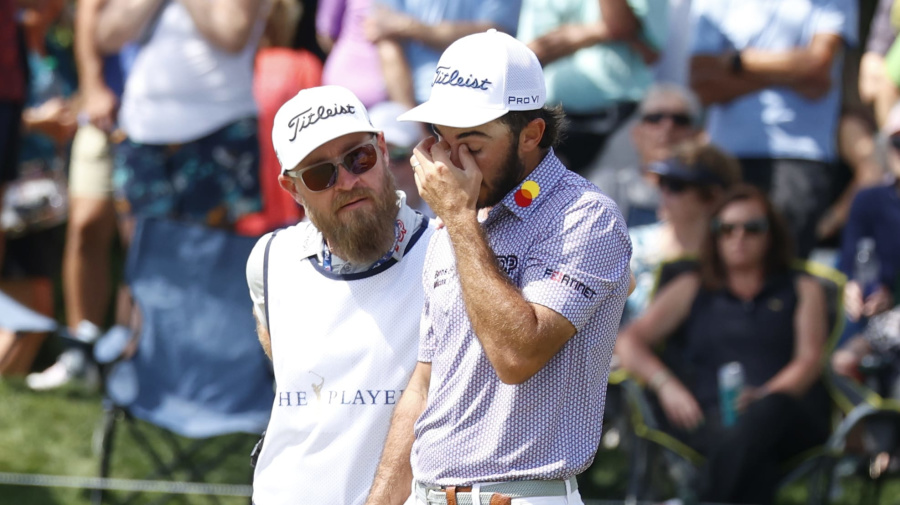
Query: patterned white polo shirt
[565, 245]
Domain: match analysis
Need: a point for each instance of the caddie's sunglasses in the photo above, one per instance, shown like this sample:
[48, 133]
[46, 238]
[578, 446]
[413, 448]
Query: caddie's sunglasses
[678, 118]
[752, 227]
[322, 176]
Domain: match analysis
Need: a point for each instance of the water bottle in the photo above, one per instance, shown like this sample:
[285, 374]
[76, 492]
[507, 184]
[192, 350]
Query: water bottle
[867, 267]
[731, 384]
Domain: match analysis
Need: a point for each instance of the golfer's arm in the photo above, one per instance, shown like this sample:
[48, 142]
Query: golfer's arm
[393, 479]
[518, 337]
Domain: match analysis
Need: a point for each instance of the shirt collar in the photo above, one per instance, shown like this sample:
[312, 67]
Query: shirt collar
[543, 179]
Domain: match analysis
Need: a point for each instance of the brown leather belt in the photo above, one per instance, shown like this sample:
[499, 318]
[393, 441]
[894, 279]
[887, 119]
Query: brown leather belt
[501, 493]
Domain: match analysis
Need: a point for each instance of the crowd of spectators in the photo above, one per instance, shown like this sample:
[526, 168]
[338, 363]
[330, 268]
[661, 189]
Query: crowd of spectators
[112, 110]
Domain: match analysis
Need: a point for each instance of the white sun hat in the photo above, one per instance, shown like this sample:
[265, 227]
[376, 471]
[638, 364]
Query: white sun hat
[479, 78]
[313, 117]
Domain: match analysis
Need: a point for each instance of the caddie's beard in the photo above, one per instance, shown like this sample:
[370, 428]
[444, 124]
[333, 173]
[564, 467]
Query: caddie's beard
[509, 176]
[360, 236]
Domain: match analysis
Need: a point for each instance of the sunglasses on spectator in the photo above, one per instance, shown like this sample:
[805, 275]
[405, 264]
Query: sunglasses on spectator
[752, 227]
[895, 142]
[322, 176]
[673, 185]
[678, 118]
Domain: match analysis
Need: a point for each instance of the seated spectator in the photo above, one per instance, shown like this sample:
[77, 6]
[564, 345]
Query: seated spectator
[401, 137]
[411, 34]
[746, 305]
[881, 340]
[596, 57]
[691, 184]
[668, 115]
[875, 214]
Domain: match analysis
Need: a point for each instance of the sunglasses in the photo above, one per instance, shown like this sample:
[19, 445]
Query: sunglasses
[678, 118]
[895, 142]
[673, 185]
[322, 176]
[752, 227]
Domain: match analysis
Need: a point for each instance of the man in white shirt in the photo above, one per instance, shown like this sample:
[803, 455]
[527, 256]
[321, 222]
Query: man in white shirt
[338, 301]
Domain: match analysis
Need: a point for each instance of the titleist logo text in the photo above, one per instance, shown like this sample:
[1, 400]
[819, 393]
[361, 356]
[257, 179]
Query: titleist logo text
[444, 75]
[308, 118]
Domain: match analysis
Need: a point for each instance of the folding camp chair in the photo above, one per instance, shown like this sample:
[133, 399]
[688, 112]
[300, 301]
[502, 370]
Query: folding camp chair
[655, 449]
[198, 371]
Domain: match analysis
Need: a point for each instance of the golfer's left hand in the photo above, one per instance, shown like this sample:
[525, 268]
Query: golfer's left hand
[450, 191]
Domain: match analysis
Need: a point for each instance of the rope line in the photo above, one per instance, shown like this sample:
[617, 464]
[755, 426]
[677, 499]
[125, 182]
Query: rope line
[146, 486]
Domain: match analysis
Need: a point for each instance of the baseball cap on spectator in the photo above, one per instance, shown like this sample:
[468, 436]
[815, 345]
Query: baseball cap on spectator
[675, 169]
[313, 117]
[479, 78]
[401, 134]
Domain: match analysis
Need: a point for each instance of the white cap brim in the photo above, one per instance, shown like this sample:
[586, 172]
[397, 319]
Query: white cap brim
[454, 116]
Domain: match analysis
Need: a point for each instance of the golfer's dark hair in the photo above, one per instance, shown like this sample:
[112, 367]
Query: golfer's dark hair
[553, 117]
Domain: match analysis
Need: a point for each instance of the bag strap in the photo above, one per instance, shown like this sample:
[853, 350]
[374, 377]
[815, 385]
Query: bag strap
[266, 280]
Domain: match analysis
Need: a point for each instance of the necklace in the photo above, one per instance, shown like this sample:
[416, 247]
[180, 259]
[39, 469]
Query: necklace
[326, 251]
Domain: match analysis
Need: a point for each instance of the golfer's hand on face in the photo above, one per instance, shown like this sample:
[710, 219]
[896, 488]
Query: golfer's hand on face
[450, 191]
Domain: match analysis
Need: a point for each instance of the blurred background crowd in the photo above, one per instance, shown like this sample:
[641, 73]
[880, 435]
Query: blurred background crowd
[736, 136]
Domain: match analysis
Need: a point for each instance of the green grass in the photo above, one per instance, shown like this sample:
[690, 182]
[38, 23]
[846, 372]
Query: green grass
[52, 433]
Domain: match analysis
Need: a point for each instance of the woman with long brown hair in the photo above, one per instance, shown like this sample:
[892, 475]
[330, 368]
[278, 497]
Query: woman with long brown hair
[746, 305]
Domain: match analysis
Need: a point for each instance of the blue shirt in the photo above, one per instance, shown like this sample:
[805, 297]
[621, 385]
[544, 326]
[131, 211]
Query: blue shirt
[421, 58]
[603, 74]
[875, 213]
[567, 249]
[775, 122]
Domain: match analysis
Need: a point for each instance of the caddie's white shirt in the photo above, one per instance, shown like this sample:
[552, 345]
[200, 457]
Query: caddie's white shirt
[344, 347]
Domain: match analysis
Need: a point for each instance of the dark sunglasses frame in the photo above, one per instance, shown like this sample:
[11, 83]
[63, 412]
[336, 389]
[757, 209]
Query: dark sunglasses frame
[678, 118]
[674, 185]
[348, 160]
[751, 227]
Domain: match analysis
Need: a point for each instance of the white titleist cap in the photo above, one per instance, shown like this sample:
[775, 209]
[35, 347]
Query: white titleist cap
[313, 117]
[479, 78]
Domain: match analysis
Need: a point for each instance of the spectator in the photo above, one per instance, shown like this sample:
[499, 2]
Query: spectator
[667, 116]
[91, 225]
[672, 66]
[875, 213]
[691, 184]
[881, 340]
[410, 35]
[401, 138]
[875, 87]
[353, 60]
[858, 151]
[770, 72]
[596, 56]
[192, 149]
[280, 71]
[13, 90]
[34, 202]
[746, 305]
